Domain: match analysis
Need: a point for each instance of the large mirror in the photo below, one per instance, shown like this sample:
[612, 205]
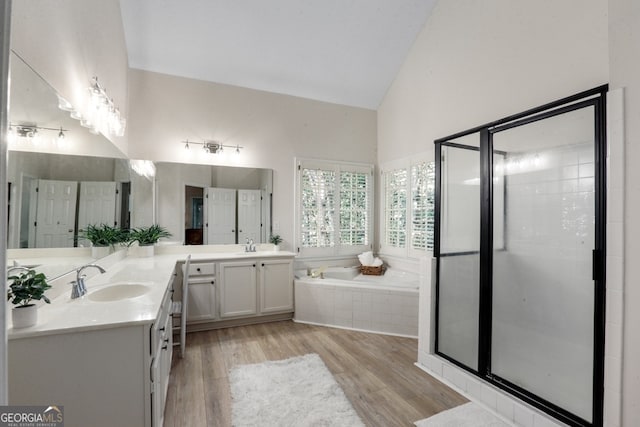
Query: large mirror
[198, 204]
[201, 204]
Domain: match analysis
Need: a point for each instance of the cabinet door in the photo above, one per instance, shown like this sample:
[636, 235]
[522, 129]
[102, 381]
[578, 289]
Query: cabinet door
[238, 290]
[201, 299]
[276, 286]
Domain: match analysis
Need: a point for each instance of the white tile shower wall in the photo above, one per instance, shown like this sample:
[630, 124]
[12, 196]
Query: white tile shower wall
[547, 266]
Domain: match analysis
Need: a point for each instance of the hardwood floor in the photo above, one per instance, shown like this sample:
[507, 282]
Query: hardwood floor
[376, 372]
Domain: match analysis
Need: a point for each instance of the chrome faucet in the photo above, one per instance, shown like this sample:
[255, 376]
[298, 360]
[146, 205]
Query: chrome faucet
[78, 286]
[249, 246]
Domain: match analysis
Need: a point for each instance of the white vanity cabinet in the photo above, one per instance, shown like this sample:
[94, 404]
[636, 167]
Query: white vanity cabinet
[103, 377]
[201, 305]
[276, 285]
[162, 351]
[238, 289]
[256, 287]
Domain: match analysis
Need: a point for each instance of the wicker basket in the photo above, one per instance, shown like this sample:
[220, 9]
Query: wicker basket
[372, 271]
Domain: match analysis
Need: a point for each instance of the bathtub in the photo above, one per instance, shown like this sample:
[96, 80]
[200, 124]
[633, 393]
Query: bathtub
[347, 299]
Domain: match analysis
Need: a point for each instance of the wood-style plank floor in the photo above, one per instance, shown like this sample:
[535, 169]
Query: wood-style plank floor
[376, 372]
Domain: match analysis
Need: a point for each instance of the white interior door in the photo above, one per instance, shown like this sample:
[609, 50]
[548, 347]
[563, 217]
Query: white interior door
[96, 206]
[221, 215]
[56, 213]
[249, 215]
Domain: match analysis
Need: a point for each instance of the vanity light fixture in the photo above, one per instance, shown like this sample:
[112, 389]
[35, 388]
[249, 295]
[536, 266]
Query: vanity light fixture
[31, 131]
[211, 146]
[102, 114]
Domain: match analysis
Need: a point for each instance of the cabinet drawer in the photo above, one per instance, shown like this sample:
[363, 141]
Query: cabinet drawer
[201, 269]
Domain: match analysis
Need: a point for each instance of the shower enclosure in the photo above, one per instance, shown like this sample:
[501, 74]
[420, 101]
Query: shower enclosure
[519, 242]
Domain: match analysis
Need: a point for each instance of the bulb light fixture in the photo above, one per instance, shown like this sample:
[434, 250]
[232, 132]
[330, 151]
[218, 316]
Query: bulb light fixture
[32, 130]
[101, 114]
[211, 146]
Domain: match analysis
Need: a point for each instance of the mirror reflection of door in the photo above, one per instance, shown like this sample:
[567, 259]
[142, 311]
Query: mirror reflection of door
[220, 223]
[56, 212]
[249, 215]
[194, 215]
[96, 206]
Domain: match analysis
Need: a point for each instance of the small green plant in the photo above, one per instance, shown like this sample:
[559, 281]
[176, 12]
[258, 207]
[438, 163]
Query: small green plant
[104, 235]
[146, 236]
[275, 239]
[27, 287]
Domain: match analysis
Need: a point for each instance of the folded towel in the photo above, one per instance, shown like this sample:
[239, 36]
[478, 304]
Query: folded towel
[368, 260]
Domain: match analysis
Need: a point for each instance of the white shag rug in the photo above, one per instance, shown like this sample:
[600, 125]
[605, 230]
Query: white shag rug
[467, 415]
[294, 392]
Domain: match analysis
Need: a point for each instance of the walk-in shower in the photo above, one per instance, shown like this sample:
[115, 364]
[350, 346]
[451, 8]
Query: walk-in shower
[520, 239]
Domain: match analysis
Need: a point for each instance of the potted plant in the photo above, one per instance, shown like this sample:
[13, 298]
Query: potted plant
[103, 238]
[23, 289]
[147, 237]
[276, 240]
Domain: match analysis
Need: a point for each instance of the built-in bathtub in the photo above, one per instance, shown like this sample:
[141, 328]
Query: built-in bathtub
[347, 299]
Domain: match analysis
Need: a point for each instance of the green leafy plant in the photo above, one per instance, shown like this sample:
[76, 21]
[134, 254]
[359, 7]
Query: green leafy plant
[146, 236]
[275, 239]
[27, 287]
[104, 235]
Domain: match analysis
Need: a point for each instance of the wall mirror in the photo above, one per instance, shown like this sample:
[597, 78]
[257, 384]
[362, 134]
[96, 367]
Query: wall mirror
[202, 204]
[176, 197]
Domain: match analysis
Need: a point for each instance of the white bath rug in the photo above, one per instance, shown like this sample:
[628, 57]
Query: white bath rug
[467, 415]
[294, 392]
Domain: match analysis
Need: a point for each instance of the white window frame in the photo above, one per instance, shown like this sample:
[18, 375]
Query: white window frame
[408, 251]
[337, 250]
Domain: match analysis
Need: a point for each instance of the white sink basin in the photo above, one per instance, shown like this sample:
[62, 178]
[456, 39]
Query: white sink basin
[119, 292]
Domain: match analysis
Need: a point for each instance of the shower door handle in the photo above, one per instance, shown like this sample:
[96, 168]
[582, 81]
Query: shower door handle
[596, 265]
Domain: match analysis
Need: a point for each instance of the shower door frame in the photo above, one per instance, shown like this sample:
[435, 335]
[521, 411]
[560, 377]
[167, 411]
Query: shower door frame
[595, 98]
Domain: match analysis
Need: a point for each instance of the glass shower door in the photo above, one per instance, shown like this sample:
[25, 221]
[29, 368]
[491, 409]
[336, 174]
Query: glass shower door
[543, 289]
[459, 251]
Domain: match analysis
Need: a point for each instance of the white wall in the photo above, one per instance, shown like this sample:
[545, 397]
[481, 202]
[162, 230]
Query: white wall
[475, 62]
[70, 41]
[272, 128]
[624, 68]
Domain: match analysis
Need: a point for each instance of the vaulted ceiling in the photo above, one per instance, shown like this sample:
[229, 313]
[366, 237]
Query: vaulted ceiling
[341, 51]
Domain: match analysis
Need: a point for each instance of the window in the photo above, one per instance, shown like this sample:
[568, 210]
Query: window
[422, 207]
[335, 208]
[396, 208]
[408, 208]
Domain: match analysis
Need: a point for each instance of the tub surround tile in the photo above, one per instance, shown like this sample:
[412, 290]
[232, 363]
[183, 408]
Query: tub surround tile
[357, 307]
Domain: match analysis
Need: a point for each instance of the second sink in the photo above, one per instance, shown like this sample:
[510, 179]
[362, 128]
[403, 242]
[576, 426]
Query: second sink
[118, 292]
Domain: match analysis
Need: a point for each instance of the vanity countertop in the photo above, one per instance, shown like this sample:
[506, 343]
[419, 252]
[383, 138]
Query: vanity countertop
[65, 315]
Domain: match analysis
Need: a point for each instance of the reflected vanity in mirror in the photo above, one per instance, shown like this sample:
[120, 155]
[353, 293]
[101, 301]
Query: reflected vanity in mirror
[202, 204]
